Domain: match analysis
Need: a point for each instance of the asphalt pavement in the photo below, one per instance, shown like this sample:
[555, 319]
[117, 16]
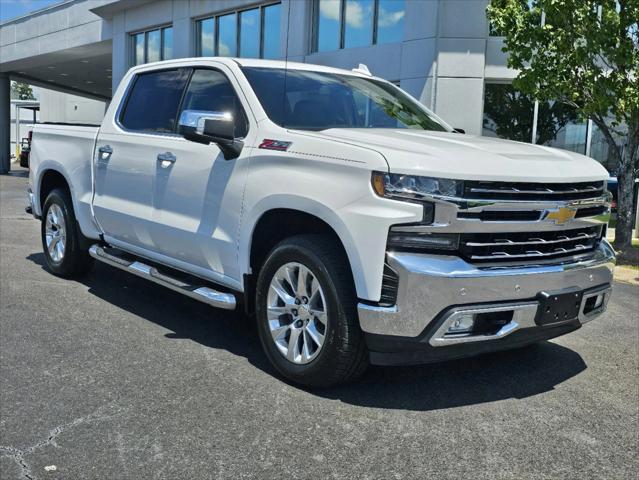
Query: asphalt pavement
[113, 377]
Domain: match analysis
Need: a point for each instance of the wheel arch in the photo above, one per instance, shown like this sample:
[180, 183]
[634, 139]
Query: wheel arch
[272, 224]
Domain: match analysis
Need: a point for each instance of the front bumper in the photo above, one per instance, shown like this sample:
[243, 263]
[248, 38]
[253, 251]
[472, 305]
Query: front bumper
[434, 288]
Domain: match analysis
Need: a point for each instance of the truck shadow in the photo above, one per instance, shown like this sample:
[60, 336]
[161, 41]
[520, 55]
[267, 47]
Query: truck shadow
[513, 374]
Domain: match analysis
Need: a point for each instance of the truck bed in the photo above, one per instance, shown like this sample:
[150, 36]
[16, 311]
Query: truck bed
[68, 149]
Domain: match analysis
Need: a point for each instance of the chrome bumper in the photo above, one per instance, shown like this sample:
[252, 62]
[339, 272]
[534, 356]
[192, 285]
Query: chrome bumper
[430, 285]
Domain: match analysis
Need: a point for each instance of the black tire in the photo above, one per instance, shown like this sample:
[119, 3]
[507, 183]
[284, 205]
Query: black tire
[76, 260]
[343, 356]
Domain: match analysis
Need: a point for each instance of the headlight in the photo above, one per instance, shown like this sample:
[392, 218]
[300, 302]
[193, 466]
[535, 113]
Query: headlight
[412, 187]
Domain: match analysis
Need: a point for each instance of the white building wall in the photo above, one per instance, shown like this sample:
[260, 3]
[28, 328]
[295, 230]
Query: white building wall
[66, 108]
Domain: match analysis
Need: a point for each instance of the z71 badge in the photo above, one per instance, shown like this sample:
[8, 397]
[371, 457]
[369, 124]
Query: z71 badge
[275, 145]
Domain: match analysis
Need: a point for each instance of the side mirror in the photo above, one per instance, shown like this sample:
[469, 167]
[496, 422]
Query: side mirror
[459, 130]
[206, 127]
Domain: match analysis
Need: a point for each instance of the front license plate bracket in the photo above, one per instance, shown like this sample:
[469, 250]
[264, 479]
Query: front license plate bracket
[559, 306]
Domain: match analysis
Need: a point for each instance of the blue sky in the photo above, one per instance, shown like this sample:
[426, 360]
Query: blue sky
[15, 8]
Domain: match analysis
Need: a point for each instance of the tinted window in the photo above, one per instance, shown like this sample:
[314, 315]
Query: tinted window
[139, 48]
[271, 41]
[227, 31]
[167, 43]
[250, 33]
[559, 126]
[211, 91]
[390, 21]
[317, 100]
[206, 37]
[507, 113]
[154, 100]
[153, 46]
[328, 25]
[358, 24]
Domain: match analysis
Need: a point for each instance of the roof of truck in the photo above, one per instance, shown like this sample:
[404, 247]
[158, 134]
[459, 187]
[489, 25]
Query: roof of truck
[255, 62]
[260, 63]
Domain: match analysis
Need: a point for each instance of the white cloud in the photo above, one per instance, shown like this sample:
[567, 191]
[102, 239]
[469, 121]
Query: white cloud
[248, 20]
[224, 50]
[389, 19]
[356, 13]
[330, 9]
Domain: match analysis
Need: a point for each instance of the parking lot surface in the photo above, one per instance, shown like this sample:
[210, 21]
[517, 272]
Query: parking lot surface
[113, 377]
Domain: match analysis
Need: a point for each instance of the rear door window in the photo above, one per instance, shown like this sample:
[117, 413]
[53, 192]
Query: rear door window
[153, 103]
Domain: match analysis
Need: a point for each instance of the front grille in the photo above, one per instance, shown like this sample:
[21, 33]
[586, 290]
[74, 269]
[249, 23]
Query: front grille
[532, 191]
[523, 246]
[390, 282]
[503, 215]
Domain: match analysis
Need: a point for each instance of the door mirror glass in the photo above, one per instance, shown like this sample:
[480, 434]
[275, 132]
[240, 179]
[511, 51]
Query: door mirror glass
[211, 127]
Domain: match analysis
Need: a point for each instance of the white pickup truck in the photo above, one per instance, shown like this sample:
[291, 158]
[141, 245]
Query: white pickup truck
[354, 223]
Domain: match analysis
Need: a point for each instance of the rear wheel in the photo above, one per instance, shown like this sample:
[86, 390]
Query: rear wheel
[306, 312]
[61, 238]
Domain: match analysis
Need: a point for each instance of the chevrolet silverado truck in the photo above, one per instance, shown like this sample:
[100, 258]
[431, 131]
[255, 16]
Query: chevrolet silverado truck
[353, 223]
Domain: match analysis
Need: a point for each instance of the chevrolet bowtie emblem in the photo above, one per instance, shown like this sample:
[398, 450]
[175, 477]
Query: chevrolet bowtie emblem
[561, 215]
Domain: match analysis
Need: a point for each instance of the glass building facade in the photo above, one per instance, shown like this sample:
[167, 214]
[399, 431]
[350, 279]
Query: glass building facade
[357, 23]
[152, 45]
[251, 33]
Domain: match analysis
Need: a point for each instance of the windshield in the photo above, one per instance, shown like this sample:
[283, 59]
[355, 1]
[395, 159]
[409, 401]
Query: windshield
[319, 100]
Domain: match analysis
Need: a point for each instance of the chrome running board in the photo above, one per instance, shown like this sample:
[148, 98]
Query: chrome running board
[198, 292]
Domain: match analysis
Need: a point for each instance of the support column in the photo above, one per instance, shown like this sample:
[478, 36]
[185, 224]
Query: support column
[5, 123]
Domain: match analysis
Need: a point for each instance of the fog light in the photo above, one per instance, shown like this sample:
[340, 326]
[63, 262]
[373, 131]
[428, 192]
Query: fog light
[463, 323]
[599, 301]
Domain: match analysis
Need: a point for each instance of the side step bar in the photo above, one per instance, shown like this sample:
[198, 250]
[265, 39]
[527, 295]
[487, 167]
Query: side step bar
[201, 293]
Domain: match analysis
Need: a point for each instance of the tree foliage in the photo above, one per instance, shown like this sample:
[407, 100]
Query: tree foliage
[584, 54]
[21, 91]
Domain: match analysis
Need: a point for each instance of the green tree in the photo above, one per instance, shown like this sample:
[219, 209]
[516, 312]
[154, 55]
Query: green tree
[584, 54]
[21, 91]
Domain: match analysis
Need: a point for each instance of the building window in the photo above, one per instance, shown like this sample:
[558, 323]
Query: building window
[253, 33]
[357, 23]
[510, 114]
[152, 45]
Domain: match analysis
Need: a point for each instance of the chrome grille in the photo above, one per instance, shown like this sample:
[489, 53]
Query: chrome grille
[524, 246]
[532, 191]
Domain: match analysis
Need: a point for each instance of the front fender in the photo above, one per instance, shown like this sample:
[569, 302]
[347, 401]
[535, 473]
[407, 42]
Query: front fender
[362, 226]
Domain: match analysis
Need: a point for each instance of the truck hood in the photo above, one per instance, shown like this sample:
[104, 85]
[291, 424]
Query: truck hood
[469, 157]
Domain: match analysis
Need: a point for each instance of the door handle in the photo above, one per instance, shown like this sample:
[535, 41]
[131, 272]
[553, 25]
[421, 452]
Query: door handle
[166, 159]
[105, 152]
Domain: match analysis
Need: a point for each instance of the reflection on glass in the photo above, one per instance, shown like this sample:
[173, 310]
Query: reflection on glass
[206, 36]
[153, 46]
[358, 28]
[318, 100]
[600, 150]
[138, 41]
[227, 30]
[167, 43]
[328, 25]
[558, 126]
[271, 36]
[507, 113]
[390, 21]
[250, 33]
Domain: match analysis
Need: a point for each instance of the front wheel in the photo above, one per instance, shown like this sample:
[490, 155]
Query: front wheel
[306, 312]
